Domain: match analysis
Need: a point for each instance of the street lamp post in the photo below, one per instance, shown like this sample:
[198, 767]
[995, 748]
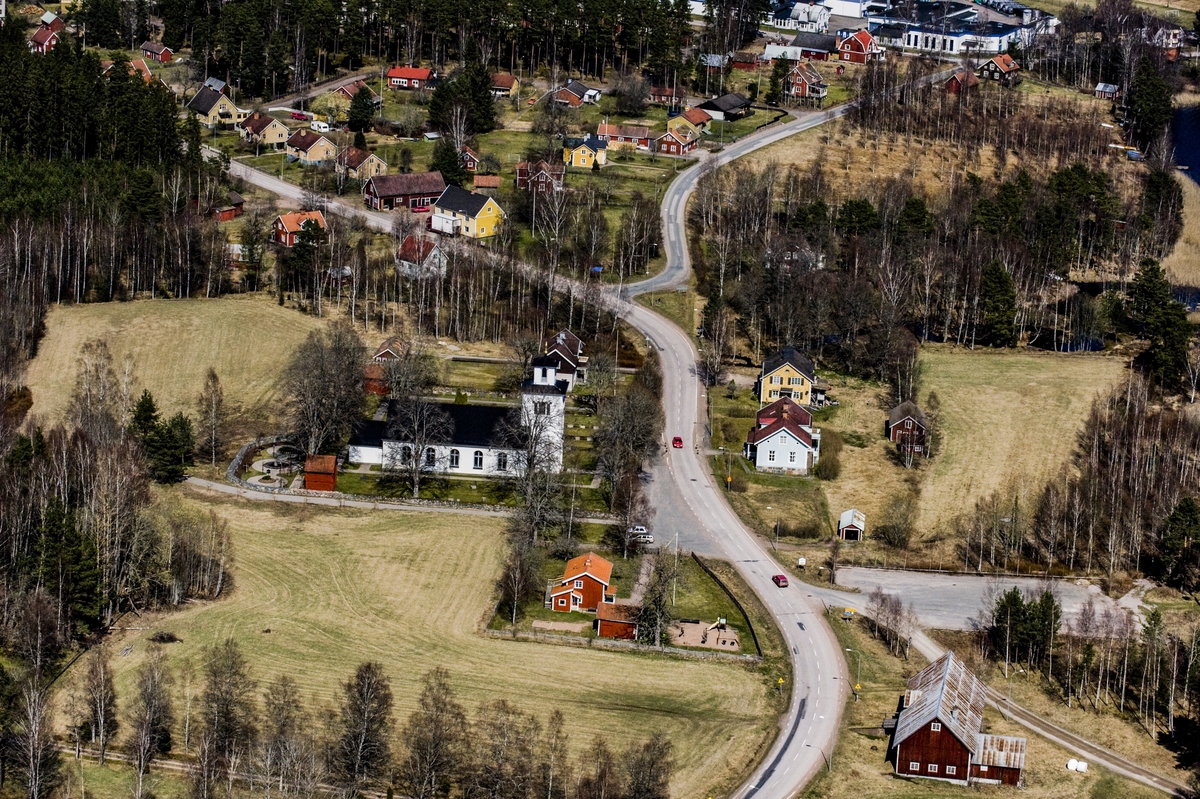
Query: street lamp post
[828, 761]
[858, 678]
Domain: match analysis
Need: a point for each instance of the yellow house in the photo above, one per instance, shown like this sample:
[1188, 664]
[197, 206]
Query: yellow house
[585, 152]
[357, 164]
[694, 119]
[213, 108]
[310, 148]
[787, 374]
[262, 129]
[505, 84]
[462, 212]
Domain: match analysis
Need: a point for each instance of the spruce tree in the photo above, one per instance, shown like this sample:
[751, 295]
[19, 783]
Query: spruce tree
[361, 111]
[446, 160]
[998, 304]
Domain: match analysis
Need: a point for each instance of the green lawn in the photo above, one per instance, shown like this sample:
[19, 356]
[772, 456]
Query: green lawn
[678, 306]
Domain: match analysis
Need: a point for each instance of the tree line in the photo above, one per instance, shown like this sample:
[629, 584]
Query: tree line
[236, 736]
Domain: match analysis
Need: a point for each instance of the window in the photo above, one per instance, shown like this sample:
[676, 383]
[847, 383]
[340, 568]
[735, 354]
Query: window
[575, 601]
[791, 457]
[405, 454]
[914, 765]
[562, 601]
[935, 727]
[795, 381]
[478, 463]
[983, 768]
[579, 583]
[951, 770]
[771, 455]
[776, 380]
[541, 408]
[430, 457]
[453, 459]
[502, 462]
[908, 424]
[774, 394]
[931, 768]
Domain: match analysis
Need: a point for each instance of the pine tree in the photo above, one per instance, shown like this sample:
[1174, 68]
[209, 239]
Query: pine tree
[1149, 291]
[361, 111]
[779, 75]
[998, 303]
[145, 416]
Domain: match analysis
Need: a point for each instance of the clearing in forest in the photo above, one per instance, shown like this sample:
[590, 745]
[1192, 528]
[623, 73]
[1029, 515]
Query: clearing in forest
[1005, 414]
[319, 591]
[248, 339]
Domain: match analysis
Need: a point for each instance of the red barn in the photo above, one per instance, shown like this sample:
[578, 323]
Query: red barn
[584, 585]
[617, 621]
[961, 82]
[938, 732]
[320, 473]
[907, 425]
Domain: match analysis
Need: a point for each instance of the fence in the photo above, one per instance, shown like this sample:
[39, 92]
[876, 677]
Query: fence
[626, 646]
[736, 603]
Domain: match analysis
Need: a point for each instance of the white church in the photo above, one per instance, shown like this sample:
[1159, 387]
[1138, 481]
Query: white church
[476, 444]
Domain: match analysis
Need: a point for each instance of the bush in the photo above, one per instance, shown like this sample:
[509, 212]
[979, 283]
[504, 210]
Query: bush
[895, 527]
[830, 465]
[738, 482]
[730, 431]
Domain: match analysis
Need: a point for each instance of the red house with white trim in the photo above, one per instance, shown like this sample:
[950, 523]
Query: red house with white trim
[285, 229]
[631, 135]
[676, 142]
[43, 40]
[156, 51]
[409, 77]
[585, 585]
[859, 48]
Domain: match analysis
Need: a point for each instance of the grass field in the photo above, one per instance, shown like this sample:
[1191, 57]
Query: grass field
[1183, 264]
[1003, 415]
[247, 338]
[861, 770]
[412, 591]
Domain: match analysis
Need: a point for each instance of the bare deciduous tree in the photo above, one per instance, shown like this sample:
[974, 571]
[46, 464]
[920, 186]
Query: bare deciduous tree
[150, 717]
[36, 760]
[361, 752]
[102, 698]
[210, 407]
[419, 425]
[435, 736]
[323, 385]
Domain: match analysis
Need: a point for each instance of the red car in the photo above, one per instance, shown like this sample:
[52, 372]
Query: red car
[780, 580]
[677, 442]
[299, 115]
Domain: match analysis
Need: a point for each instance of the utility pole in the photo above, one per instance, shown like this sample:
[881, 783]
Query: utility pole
[858, 679]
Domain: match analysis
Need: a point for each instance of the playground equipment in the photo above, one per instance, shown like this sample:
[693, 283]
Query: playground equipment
[719, 624]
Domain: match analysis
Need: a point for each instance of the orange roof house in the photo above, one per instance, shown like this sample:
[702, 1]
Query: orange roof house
[584, 585]
[286, 227]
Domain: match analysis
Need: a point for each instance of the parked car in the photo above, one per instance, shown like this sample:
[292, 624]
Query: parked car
[677, 442]
[643, 538]
[780, 580]
[299, 115]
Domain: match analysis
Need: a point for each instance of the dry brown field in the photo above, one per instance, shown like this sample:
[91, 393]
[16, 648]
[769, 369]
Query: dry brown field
[318, 591]
[247, 338]
[1004, 415]
[1183, 264]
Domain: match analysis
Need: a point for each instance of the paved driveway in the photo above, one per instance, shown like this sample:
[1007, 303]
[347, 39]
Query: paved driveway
[954, 601]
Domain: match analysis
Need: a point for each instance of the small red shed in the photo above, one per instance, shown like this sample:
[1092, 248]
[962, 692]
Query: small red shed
[617, 621]
[320, 473]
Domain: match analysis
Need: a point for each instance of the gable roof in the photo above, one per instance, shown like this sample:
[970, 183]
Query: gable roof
[353, 88]
[154, 47]
[414, 250]
[256, 123]
[590, 141]
[621, 614]
[905, 410]
[861, 39]
[408, 183]
[44, 36]
[817, 42]
[305, 140]
[353, 157]
[470, 425]
[853, 517]
[321, 464]
[205, 100]
[576, 88]
[785, 408]
[48, 18]
[623, 131]
[216, 84]
[697, 116]
[1005, 63]
[947, 691]
[411, 73]
[789, 355]
[368, 432]
[591, 564]
[462, 201]
[137, 66]
[532, 169]
[487, 181]
[294, 221]
[806, 72]
[782, 425]
[964, 77]
[503, 80]
[573, 342]
[729, 102]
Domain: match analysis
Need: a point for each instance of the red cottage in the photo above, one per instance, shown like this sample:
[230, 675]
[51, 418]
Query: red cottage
[156, 51]
[286, 227]
[414, 190]
[907, 425]
[584, 585]
[43, 40]
[938, 733]
[540, 176]
[320, 473]
[408, 77]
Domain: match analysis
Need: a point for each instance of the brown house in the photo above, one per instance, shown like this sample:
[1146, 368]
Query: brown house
[617, 621]
[907, 426]
[358, 164]
[938, 732]
[320, 473]
[415, 190]
[1002, 69]
[540, 176]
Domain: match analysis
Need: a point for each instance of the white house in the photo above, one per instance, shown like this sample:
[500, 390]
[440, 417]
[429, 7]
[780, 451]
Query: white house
[783, 439]
[477, 443]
